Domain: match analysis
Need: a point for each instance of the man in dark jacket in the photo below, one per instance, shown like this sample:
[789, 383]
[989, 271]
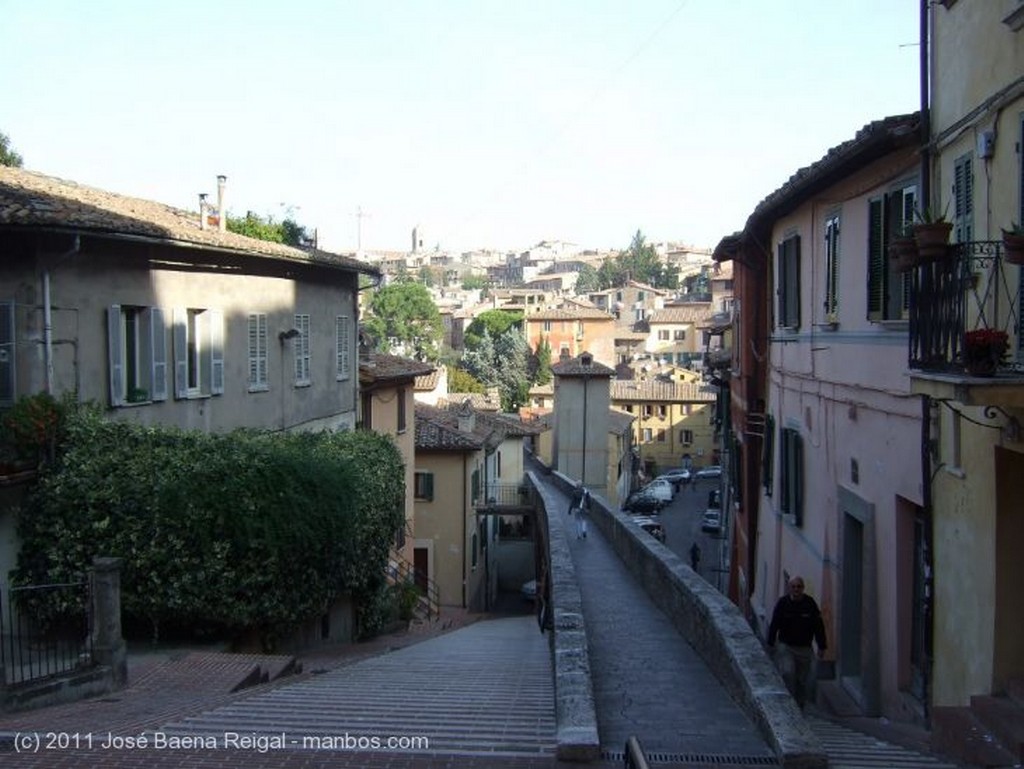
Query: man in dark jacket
[796, 622]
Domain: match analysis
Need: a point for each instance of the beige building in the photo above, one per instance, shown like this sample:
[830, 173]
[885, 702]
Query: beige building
[387, 389]
[973, 503]
[673, 421]
[572, 330]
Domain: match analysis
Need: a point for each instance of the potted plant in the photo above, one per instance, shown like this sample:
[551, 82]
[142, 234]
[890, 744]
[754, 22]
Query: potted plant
[983, 351]
[1013, 244]
[931, 232]
[903, 253]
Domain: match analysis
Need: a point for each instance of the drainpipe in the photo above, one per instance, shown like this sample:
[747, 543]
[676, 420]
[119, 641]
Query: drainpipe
[48, 315]
[925, 111]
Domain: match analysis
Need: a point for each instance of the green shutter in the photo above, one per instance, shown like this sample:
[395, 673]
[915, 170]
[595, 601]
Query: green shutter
[428, 486]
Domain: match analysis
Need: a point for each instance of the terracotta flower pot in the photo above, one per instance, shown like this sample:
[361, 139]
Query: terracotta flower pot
[932, 239]
[1013, 248]
[903, 254]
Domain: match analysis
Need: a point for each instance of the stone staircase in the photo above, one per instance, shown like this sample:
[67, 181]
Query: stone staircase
[988, 733]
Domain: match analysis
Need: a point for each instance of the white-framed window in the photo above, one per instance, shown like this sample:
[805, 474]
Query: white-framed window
[679, 335]
[258, 352]
[301, 348]
[832, 268]
[662, 334]
[198, 335]
[343, 347]
[646, 434]
[136, 354]
[7, 360]
[686, 437]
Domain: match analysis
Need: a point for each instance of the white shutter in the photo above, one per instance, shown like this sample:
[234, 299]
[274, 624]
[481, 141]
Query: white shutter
[115, 355]
[216, 352]
[344, 346]
[180, 337]
[6, 353]
[254, 350]
[158, 344]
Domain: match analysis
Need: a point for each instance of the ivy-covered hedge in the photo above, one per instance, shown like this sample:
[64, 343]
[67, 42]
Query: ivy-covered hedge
[241, 532]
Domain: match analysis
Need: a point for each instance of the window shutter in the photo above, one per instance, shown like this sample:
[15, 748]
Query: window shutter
[963, 194]
[6, 353]
[343, 347]
[798, 479]
[158, 344]
[789, 279]
[180, 339]
[216, 352]
[767, 457]
[428, 486]
[115, 355]
[877, 260]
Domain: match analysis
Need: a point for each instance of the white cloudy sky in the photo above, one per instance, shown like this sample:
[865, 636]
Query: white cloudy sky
[488, 124]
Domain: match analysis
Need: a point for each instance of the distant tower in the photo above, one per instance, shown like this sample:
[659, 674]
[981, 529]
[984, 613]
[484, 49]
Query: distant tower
[417, 239]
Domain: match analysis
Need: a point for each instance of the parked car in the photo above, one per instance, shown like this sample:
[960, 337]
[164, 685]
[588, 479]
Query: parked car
[677, 477]
[711, 471]
[651, 526]
[642, 502]
[712, 520]
[661, 489]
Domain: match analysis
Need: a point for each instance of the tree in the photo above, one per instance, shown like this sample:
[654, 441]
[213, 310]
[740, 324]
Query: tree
[402, 314]
[479, 360]
[587, 280]
[541, 363]
[474, 282]
[8, 157]
[511, 364]
[496, 322]
[640, 262]
[461, 381]
[289, 232]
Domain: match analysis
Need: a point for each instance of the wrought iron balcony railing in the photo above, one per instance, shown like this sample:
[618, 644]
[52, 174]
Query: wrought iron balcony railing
[495, 496]
[972, 288]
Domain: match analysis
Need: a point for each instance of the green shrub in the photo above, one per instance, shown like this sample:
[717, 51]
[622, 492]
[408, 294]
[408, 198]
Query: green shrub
[245, 531]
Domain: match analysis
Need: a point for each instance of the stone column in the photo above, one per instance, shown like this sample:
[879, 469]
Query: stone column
[108, 646]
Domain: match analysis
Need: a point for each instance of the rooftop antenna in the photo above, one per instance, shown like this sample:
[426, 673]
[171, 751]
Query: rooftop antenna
[359, 227]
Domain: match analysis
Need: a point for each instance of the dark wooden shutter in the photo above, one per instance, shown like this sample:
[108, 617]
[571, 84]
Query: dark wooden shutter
[963, 199]
[877, 261]
[767, 455]
[798, 478]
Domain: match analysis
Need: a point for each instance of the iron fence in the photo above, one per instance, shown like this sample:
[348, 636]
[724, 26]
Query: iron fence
[45, 631]
[972, 288]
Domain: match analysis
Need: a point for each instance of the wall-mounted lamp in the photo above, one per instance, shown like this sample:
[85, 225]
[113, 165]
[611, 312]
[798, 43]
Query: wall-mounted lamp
[289, 334]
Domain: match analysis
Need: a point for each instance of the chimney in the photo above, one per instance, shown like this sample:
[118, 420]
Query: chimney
[203, 211]
[222, 214]
[467, 418]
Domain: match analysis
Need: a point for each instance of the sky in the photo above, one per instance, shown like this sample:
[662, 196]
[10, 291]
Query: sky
[485, 124]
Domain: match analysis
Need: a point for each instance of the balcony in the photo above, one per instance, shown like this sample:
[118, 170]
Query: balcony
[505, 499]
[972, 288]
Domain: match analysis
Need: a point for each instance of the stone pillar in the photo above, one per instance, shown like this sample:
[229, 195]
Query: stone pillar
[108, 646]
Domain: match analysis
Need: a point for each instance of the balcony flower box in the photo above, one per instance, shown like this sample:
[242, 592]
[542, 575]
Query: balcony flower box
[984, 350]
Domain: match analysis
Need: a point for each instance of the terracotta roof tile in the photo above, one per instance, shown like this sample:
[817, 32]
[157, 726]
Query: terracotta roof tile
[34, 201]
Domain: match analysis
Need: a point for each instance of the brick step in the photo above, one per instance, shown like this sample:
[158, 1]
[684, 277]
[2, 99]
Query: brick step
[957, 732]
[1004, 718]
